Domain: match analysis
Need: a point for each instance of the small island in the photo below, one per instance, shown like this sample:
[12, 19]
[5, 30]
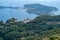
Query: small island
[39, 9]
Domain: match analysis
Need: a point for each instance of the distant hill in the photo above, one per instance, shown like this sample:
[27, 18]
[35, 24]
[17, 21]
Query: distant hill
[2, 7]
[40, 9]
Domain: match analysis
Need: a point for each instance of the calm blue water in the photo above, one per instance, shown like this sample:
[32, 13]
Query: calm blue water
[19, 13]
[15, 13]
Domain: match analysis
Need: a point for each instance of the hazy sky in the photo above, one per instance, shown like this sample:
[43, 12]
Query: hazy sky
[19, 2]
[29, 0]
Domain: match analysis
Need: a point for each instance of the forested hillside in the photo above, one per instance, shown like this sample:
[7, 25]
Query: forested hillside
[37, 29]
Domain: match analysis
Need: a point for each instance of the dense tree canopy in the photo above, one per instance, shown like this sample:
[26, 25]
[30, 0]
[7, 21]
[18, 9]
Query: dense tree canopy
[36, 29]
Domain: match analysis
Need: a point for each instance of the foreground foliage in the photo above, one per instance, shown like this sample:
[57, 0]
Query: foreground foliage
[37, 29]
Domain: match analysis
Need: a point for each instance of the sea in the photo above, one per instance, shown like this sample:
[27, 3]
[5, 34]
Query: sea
[21, 14]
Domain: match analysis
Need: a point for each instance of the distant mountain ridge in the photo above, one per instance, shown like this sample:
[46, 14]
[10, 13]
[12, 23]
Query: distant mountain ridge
[40, 9]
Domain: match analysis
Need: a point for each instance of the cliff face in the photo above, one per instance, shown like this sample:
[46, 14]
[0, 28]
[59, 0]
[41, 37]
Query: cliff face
[40, 9]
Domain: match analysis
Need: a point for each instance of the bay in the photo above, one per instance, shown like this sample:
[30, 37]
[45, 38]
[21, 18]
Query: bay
[21, 14]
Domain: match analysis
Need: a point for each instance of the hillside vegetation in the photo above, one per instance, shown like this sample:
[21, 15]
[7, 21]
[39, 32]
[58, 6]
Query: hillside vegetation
[37, 29]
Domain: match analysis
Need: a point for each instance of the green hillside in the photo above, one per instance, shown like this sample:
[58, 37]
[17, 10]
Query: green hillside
[37, 29]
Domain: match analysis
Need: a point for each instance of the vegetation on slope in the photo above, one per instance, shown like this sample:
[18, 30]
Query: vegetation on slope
[36, 29]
